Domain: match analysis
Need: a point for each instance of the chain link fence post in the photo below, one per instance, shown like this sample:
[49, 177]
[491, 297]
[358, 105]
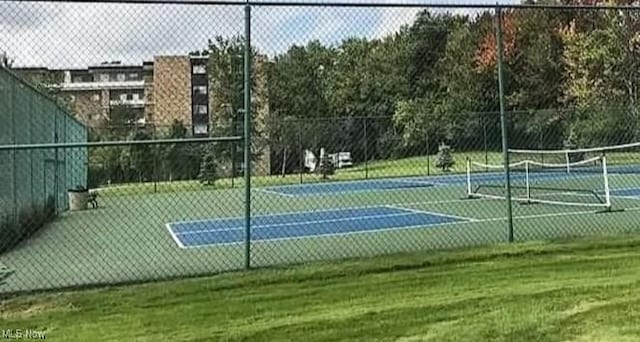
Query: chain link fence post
[247, 134]
[366, 149]
[503, 119]
[300, 150]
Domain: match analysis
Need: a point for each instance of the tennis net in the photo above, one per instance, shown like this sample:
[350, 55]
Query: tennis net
[549, 183]
[621, 159]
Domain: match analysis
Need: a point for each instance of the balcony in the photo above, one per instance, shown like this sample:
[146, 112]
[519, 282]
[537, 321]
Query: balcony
[135, 103]
[123, 85]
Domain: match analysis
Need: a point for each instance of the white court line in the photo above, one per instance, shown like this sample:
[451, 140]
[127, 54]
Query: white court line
[275, 192]
[348, 181]
[285, 213]
[400, 228]
[409, 181]
[352, 191]
[417, 211]
[175, 238]
[277, 225]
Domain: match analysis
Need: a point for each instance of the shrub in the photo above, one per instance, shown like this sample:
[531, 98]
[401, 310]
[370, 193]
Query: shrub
[29, 220]
[444, 158]
[326, 167]
[207, 174]
[5, 273]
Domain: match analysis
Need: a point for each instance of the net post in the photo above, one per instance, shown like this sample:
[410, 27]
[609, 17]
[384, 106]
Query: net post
[428, 156]
[503, 121]
[469, 177]
[605, 174]
[300, 150]
[526, 174]
[484, 136]
[567, 160]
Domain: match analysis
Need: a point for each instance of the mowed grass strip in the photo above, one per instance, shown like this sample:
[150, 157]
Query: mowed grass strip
[585, 290]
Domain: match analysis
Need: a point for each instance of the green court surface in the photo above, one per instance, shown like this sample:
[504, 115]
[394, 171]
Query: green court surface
[127, 239]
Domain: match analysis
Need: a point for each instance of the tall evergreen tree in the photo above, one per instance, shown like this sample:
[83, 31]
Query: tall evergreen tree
[207, 174]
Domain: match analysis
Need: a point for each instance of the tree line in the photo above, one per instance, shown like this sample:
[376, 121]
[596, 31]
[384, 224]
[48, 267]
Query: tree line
[571, 75]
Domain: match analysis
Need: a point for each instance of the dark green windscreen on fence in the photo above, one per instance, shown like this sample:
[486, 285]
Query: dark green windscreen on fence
[35, 181]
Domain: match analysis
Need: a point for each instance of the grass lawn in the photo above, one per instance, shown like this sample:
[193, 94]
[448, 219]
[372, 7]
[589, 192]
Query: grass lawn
[584, 290]
[406, 167]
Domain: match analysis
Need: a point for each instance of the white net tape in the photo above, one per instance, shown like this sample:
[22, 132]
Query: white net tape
[579, 150]
[496, 166]
[536, 163]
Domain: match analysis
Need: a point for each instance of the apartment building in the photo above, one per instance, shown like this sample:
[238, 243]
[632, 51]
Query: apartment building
[180, 92]
[155, 93]
[95, 92]
[92, 93]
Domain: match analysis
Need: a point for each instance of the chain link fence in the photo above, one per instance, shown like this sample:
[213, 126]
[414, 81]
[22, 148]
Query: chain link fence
[34, 183]
[373, 129]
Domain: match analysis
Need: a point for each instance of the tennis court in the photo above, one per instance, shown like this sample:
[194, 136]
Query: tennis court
[135, 235]
[305, 225]
[562, 193]
[394, 184]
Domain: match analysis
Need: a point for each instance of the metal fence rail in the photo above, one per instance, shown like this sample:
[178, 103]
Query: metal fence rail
[180, 139]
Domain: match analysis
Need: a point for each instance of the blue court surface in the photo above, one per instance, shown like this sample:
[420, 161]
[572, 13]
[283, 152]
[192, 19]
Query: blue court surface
[629, 193]
[304, 225]
[349, 186]
[406, 183]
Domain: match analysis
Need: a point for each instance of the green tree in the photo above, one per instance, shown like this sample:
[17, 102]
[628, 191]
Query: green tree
[297, 89]
[142, 158]
[325, 167]
[428, 37]
[112, 164]
[207, 175]
[603, 77]
[465, 89]
[368, 78]
[120, 123]
[419, 120]
[226, 95]
[226, 82]
[179, 159]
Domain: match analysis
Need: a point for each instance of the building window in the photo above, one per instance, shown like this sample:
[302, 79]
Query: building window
[77, 79]
[95, 97]
[130, 97]
[200, 110]
[136, 96]
[104, 77]
[200, 129]
[123, 97]
[200, 90]
[121, 78]
[133, 76]
[199, 69]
